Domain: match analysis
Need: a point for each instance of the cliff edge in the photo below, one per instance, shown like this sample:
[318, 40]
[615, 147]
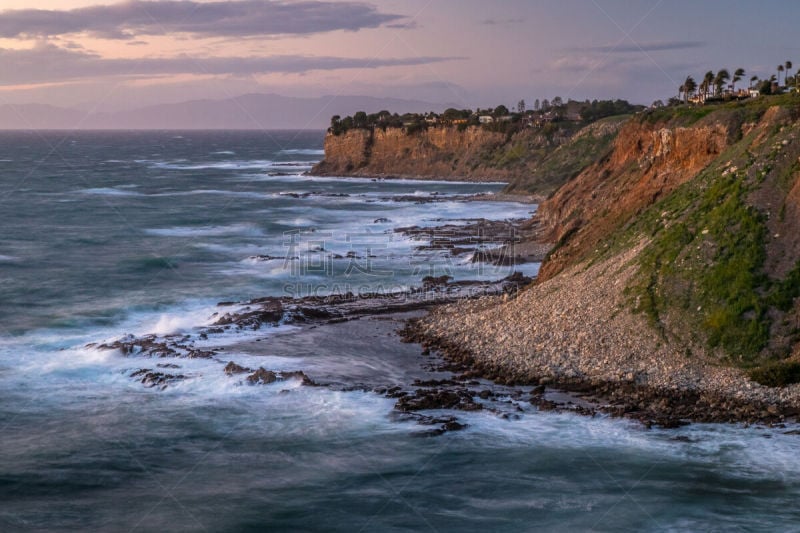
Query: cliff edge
[532, 161]
[675, 272]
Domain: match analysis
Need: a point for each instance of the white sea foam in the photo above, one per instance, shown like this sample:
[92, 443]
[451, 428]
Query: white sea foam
[742, 451]
[207, 231]
[109, 191]
[8, 258]
[249, 268]
[201, 192]
[279, 164]
[169, 323]
[302, 222]
[233, 337]
[303, 151]
[211, 165]
[243, 249]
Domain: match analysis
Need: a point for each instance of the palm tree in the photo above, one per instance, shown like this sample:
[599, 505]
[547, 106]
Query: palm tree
[753, 80]
[719, 81]
[689, 86]
[708, 79]
[738, 74]
[780, 69]
[788, 66]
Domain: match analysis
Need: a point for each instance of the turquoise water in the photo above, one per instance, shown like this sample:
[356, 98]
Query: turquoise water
[105, 234]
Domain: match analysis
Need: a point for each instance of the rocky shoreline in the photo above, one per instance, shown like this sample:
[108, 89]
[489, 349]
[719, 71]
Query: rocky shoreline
[577, 334]
[573, 333]
[532, 341]
[323, 319]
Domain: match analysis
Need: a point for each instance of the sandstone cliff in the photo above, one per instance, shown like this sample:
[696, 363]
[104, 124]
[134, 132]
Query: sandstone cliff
[532, 161]
[647, 162]
[433, 153]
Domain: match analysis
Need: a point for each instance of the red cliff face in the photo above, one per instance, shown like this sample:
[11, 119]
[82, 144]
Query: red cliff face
[434, 153]
[647, 162]
[346, 153]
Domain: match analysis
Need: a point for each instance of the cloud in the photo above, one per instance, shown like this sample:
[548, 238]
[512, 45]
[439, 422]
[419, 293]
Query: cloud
[496, 22]
[577, 63]
[615, 75]
[643, 47]
[47, 63]
[131, 18]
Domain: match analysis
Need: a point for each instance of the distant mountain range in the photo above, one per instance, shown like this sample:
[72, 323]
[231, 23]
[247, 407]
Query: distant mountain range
[251, 111]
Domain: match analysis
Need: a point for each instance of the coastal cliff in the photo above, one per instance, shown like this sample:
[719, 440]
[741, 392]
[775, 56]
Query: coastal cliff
[532, 161]
[648, 162]
[432, 153]
[674, 276]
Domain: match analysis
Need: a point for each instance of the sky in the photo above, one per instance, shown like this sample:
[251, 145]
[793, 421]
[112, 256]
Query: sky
[107, 55]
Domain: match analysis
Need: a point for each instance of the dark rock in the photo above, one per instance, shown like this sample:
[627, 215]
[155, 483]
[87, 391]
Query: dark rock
[539, 389]
[454, 426]
[152, 379]
[424, 399]
[395, 392]
[297, 374]
[262, 377]
[232, 368]
[431, 282]
[200, 354]
[148, 346]
[433, 382]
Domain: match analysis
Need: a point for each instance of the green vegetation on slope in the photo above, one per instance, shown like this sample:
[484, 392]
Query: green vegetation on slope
[550, 168]
[747, 111]
[702, 275]
[706, 259]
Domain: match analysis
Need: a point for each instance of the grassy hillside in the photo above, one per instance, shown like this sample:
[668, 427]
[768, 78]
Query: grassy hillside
[720, 269]
[548, 168]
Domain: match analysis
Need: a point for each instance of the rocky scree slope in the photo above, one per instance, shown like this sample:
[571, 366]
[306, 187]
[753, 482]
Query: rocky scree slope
[682, 251]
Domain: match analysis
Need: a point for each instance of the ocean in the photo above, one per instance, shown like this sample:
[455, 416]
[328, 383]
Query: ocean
[108, 234]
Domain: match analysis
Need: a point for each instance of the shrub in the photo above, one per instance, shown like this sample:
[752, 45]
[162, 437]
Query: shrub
[776, 374]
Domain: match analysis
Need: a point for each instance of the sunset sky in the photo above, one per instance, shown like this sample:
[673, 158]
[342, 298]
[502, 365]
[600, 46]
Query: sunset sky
[106, 55]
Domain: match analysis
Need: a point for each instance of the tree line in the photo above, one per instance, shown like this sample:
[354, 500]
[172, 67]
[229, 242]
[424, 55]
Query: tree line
[715, 85]
[502, 119]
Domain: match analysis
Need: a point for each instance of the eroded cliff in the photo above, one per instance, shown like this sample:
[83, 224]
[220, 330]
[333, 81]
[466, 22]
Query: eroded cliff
[433, 153]
[532, 161]
[648, 161]
[676, 270]
[708, 198]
